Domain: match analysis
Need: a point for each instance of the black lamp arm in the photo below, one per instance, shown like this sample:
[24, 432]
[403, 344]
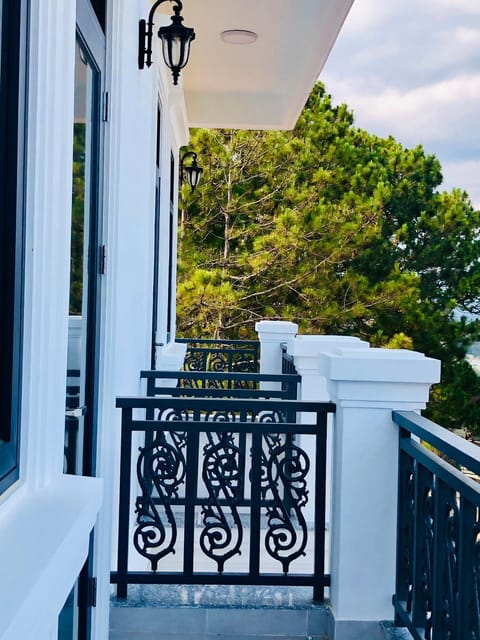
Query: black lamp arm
[187, 154]
[145, 33]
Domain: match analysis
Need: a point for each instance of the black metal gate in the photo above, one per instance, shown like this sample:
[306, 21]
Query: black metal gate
[222, 490]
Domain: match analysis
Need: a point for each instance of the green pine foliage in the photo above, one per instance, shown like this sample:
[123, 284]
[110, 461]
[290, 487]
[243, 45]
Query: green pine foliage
[337, 230]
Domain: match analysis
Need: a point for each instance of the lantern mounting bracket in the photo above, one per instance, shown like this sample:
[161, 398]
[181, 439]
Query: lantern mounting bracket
[175, 57]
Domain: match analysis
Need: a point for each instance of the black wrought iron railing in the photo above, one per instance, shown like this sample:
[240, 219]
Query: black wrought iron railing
[438, 550]
[288, 362]
[222, 491]
[219, 384]
[221, 355]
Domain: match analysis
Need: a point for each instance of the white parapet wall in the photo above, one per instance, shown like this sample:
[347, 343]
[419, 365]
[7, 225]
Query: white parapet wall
[305, 351]
[366, 385]
[272, 334]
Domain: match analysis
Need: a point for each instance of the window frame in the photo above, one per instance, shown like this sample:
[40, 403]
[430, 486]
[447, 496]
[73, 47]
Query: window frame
[13, 74]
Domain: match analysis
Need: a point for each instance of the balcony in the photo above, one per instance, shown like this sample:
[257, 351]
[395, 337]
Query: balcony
[302, 496]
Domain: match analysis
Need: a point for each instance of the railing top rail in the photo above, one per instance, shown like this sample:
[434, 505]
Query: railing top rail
[250, 343]
[442, 469]
[203, 426]
[222, 375]
[218, 350]
[229, 404]
[458, 449]
[205, 392]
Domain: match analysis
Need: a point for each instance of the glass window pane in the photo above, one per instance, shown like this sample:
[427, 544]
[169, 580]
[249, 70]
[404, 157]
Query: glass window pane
[11, 236]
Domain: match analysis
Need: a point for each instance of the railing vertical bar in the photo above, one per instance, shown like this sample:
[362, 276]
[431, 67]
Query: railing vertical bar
[440, 551]
[320, 506]
[466, 590]
[404, 530]
[149, 435]
[124, 505]
[255, 507]
[190, 500]
[242, 445]
[421, 603]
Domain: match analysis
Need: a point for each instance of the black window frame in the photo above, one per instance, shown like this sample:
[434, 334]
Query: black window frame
[156, 242]
[171, 219]
[13, 74]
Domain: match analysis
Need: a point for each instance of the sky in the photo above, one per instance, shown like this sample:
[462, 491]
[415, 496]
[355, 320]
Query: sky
[411, 69]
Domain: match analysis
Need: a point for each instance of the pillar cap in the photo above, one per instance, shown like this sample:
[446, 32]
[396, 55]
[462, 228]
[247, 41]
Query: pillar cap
[312, 346]
[276, 329]
[172, 356]
[381, 365]
[387, 377]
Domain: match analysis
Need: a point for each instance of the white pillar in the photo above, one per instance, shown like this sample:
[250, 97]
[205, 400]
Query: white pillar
[272, 334]
[366, 385]
[170, 358]
[305, 351]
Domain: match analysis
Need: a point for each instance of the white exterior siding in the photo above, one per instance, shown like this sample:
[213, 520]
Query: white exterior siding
[46, 518]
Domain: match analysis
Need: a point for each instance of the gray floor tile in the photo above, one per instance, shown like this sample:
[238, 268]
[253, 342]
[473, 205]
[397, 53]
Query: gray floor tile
[167, 621]
[256, 622]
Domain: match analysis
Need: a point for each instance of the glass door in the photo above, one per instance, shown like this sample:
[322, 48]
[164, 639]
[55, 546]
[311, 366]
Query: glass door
[85, 268]
[79, 420]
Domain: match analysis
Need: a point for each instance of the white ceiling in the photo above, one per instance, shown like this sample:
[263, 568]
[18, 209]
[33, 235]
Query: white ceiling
[262, 85]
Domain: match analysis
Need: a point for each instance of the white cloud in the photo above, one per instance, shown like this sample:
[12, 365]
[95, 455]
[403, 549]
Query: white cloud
[437, 112]
[411, 69]
[367, 14]
[455, 46]
[463, 175]
[453, 6]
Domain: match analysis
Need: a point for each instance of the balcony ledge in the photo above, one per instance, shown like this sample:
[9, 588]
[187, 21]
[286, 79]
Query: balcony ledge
[44, 538]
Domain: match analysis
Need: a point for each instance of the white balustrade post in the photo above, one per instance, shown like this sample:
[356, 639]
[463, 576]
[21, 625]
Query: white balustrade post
[313, 387]
[170, 358]
[272, 334]
[366, 385]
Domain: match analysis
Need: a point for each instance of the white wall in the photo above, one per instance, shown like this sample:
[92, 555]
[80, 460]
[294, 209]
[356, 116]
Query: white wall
[46, 519]
[130, 158]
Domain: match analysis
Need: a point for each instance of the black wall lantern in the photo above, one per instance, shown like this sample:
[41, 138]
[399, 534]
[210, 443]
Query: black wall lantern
[176, 40]
[191, 172]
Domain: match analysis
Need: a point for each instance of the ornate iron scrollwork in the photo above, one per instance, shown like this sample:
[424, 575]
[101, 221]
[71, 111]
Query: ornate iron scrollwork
[427, 555]
[223, 476]
[222, 356]
[450, 581]
[408, 499]
[286, 471]
[208, 472]
[161, 468]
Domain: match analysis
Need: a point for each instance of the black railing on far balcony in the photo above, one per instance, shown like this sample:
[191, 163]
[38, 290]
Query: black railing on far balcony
[221, 355]
[288, 362]
[210, 510]
[218, 384]
[438, 549]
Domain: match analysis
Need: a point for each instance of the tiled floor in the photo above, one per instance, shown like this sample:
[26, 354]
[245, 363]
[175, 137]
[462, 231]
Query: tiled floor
[203, 612]
[218, 613]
